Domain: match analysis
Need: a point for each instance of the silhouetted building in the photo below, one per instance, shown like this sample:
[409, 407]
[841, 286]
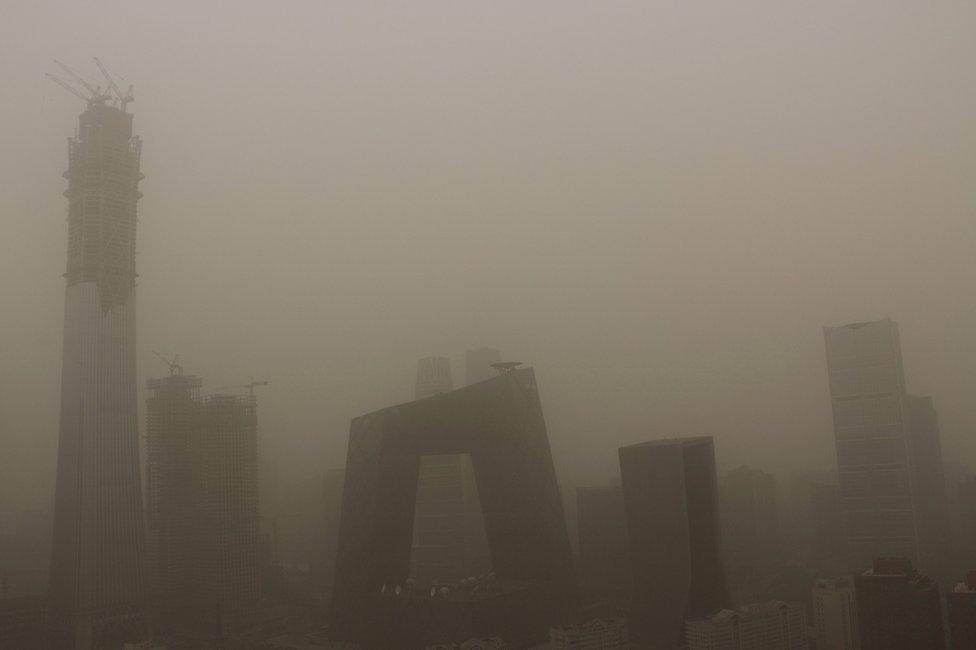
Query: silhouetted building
[827, 522]
[835, 615]
[433, 377]
[604, 551]
[334, 480]
[671, 500]
[25, 553]
[961, 603]
[500, 423]
[172, 421]
[596, 634]
[477, 364]
[751, 538]
[768, 626]
[98, 590]
[226, 487]
[897, 608]
[23, 623]
[474, 643]
[928, 480]
[449, 538]
[961, 498]
[814, 529]
[871, 428]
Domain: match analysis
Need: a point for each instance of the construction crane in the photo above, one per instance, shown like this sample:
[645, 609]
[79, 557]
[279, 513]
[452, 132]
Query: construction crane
[174, 364]
[71, 89]
[123, 99]
[94, 95]
[250, 386]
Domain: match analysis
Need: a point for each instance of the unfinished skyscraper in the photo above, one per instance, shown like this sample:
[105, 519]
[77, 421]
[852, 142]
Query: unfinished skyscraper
[172, 420]
[98, 586]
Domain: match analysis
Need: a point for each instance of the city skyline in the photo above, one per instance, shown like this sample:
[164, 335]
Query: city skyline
[727, 252]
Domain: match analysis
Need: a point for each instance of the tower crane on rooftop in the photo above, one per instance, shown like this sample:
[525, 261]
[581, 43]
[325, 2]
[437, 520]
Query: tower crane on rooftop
[174, 364]
[249, 386]
[123, 99]
[93, 95]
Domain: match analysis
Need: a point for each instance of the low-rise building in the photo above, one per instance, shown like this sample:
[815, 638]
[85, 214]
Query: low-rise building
[835, 615]
[596, 634]
[762, 626]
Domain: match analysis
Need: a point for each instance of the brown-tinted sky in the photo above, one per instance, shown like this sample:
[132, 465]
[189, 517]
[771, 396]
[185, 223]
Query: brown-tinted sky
[657, 204]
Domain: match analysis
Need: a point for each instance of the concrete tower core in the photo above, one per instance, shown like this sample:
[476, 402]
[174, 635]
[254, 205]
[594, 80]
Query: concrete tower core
[98, 564]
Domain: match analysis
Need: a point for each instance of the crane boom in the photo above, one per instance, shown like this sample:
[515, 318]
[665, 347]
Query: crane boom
[64, 84]
[123, 99]
[77, 77]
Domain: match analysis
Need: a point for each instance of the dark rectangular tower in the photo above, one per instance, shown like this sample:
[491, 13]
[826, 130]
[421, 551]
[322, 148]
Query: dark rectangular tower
[98, 584]
[671, 499]
[897, 608]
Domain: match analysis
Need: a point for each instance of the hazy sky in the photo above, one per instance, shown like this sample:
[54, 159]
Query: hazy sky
[656, 204]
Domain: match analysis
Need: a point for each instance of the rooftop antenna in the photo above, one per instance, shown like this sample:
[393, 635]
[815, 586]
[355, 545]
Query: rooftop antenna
[123, 99]
[174, 364]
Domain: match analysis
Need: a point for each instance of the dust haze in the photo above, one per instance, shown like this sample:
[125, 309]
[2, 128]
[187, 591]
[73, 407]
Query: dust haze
[656, 205]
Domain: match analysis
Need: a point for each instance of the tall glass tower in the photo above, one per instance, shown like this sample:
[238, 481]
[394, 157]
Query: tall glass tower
[98, 565]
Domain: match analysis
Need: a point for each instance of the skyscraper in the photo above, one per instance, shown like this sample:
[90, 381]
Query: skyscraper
[889, 455]
[433, 377]
[226, 491]
[897, 608]
[750, 521]
[835, 615]
[98, 585]
[671, 499]
[867, 391]
[449, 539]
[929, 488]
[604, 550]
[172, 422]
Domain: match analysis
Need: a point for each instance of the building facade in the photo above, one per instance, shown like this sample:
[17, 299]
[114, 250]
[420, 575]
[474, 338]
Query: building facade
[768, 626]
[597, 634]
[751, 538]
[961, 603]
[449, 537]
[929, 488]
[671, 500]
[98, 582]
[172, 420]
[897, 608]
[604, 549]
[867, 391]
[835, 615]
[227, 581]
